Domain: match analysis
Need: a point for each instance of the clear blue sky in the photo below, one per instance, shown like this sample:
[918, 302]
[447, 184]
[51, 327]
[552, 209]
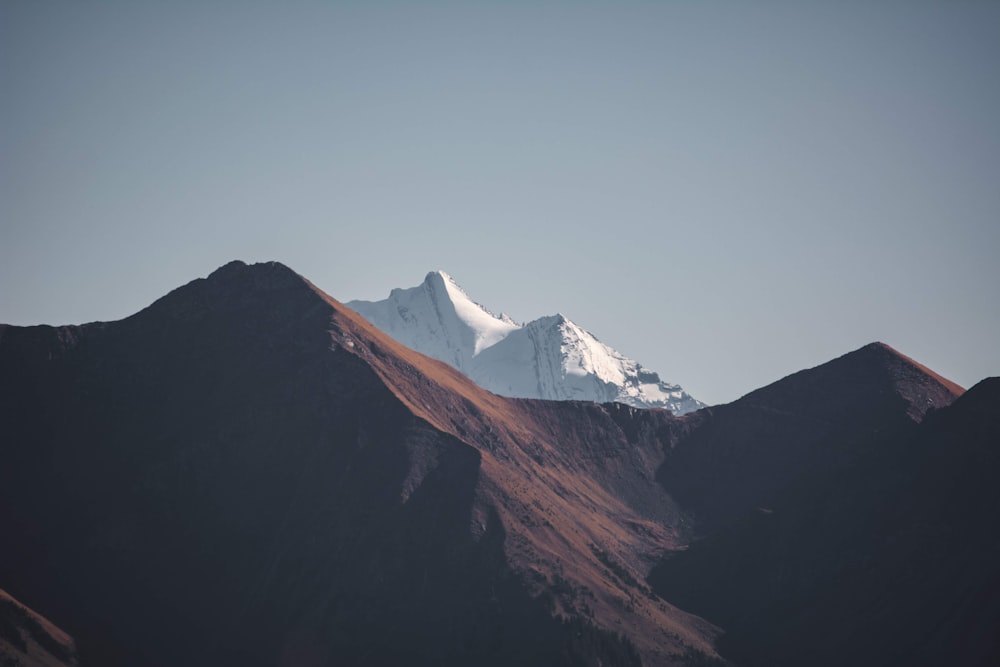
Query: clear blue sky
[726, 191]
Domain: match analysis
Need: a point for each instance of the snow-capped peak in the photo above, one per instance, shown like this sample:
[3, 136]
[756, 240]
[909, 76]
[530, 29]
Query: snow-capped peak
[487, 328]
[551, 357]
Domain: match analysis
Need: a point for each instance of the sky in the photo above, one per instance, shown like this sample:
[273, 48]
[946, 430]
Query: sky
[727, 192]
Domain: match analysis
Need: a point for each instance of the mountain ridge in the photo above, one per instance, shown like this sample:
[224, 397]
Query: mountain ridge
[246, 448]
[818, 417]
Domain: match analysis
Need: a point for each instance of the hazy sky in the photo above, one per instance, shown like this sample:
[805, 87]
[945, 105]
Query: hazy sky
[725, 191]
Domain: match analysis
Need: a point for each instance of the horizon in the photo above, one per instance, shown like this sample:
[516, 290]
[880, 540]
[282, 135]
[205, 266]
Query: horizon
[497, 314]
[726, 194]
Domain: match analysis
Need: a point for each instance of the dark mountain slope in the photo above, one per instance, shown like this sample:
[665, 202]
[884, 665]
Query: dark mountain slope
[192, 473]
[28, 639]
[739, 455]
[248, 473]
[889, 559]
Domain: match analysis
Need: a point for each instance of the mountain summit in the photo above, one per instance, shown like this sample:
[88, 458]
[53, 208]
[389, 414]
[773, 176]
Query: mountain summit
[550, 357]
[438, 319]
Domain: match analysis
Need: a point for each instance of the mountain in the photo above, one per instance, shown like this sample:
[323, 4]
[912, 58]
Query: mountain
[549, 358]
[248, 472]
[876, 548]
[817, 419]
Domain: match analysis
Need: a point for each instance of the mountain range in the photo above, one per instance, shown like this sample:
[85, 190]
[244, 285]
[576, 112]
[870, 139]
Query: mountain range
[550, 357]
[248, 472]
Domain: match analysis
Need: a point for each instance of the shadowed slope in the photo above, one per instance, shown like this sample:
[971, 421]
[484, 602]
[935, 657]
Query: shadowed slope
[880, 552]
[741, 454]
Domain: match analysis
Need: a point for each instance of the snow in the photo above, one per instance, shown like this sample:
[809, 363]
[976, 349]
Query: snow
[488, 328]
[437, 318]
[551, 357]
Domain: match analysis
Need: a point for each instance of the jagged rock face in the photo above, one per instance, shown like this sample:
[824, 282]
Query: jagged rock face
[549, 358]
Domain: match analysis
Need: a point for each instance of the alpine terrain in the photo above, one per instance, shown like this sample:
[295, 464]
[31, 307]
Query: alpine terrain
[247, 472]
[550, 358]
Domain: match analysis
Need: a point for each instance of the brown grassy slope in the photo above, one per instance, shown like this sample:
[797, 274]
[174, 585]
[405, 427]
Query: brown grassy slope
[578, 501]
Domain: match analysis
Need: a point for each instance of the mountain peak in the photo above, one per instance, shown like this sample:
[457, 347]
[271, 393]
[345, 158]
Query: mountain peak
[237, 268]
[550, 357]
[903, 367]
[442, 282]
[878, 349]
[437, 318]
[448, 288]
[438, 274]
[870, 374]
[236, 284]
[548, 321]
[234, 265]
[445, 287]
[436, 280]
[237, 276]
